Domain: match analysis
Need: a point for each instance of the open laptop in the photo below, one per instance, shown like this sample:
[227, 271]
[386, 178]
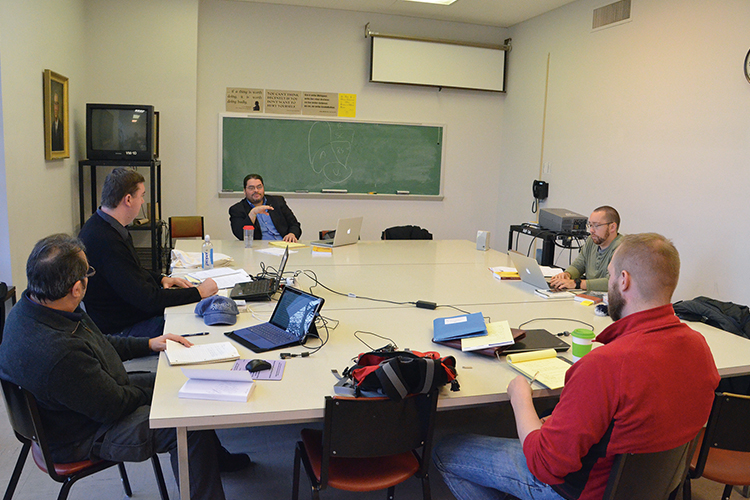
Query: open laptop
[292, 321]
[260, 289]
[529, 270]
[347, 232]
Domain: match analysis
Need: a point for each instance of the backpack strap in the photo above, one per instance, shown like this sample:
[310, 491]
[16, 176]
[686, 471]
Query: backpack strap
[392, 380]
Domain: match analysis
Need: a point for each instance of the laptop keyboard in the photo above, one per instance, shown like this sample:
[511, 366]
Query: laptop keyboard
[257, 287]
[271, 333]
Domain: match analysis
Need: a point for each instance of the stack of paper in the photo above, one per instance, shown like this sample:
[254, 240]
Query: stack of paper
[498, 334]
[219, 385]
[551, 294]
[225, 277]
[286, 244]
[505, 273]
[178, 354]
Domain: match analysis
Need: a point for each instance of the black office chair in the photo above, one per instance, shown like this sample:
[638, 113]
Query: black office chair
[25, 420]
[723, 451]
[649, 476]
[368, 444]
[406, 233]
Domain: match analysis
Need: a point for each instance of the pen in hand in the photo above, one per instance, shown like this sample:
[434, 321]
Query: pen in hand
[533, 379]
[195, 334]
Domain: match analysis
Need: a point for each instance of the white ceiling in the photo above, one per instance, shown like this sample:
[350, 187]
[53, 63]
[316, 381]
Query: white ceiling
[499, 13]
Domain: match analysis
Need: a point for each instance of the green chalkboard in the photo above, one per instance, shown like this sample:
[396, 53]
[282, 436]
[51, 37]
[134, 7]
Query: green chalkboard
[298, 155]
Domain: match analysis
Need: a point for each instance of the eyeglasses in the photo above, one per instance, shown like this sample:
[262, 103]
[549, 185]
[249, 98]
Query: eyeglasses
[589, 225]
[254, 188]
[90, 272]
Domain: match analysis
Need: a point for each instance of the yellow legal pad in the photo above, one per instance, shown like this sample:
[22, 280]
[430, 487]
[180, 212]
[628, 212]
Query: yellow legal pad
[548, 368]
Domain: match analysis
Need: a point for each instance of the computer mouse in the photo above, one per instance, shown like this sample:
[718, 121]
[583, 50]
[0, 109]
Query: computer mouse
[257, 365]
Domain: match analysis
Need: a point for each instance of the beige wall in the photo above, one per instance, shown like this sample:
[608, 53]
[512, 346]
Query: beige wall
[650, 117]
[266, 46]
[42, 195]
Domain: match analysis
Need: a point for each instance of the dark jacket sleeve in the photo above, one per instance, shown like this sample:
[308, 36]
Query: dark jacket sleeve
[283, 217]
[238, 218]
[122, 292]
[97, 395]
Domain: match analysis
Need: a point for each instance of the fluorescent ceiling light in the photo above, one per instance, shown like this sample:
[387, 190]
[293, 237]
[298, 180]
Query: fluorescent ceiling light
[438, 2]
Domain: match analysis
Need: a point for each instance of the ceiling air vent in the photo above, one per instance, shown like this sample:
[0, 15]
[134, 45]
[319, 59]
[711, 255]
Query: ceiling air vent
[613, 13]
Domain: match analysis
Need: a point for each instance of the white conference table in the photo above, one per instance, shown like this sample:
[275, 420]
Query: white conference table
[369, 268]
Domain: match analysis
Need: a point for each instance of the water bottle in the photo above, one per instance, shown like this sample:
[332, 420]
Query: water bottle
[248, 232]
[207, 254]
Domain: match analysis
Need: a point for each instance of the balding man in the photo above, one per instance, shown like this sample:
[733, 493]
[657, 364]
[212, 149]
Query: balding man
[589, 270]
[649, 388]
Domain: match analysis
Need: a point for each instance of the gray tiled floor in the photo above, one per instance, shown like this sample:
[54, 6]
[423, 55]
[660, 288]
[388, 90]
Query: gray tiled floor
[271, 477]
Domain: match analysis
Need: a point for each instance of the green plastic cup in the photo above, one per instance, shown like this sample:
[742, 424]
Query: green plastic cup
[582, 339]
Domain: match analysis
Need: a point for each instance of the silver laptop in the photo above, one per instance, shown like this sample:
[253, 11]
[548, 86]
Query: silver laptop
[529, 270]
[347, 232]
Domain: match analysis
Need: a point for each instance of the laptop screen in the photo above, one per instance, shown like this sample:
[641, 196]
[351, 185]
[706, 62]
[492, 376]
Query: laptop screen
[296, 311]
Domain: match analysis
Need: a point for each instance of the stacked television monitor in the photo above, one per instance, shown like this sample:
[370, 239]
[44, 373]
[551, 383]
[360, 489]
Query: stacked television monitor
[121, 132]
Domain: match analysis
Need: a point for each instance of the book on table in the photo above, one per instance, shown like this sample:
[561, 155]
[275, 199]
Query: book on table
[178, 354]
[543, 366]
[458, 327]
[217, 385]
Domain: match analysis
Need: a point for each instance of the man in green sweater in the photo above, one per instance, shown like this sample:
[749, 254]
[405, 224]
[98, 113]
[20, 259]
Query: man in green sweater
[589, 270]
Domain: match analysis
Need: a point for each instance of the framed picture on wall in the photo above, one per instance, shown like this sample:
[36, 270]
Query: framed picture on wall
[56, 104]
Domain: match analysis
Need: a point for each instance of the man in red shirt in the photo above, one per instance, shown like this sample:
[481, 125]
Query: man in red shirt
[648, 388]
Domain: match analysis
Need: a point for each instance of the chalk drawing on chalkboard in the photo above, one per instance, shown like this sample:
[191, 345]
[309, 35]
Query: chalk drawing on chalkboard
[329, 146]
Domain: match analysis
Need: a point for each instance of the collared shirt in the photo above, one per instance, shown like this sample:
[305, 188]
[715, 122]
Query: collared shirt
[121, 230]
[266, 224]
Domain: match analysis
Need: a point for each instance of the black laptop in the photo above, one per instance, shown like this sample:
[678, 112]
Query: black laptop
[292, 321]
[260, 289]
[537, 340]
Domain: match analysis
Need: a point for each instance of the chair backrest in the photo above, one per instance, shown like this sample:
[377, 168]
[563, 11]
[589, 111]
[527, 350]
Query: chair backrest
[378, 427]
[186, 227]
[649, 476]
[406, 233]
[727, 427]
[25, 420]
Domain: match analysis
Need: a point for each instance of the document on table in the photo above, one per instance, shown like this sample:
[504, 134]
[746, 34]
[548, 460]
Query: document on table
[224, 277]
[219, 385]
[178, 354]
[498, 334]
[545, 365]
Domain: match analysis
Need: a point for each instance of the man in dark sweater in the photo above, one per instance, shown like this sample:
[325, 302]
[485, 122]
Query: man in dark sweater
[270, 216]
[91, 407]
[124, 298]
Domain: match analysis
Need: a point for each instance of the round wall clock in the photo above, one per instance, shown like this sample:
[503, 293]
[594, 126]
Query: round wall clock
[747, 66]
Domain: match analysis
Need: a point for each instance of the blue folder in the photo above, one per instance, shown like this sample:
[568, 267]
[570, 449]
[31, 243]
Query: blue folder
[458, 327]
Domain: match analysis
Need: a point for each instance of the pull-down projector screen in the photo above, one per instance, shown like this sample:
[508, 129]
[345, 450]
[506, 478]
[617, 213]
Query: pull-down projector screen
[437, 64]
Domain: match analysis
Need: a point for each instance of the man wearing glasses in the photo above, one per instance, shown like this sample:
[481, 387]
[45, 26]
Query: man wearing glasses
[270, 216]
[589, 270]
[91, 406]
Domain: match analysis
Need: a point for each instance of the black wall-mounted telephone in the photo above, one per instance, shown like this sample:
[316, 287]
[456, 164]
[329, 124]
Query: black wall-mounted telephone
[540, 189]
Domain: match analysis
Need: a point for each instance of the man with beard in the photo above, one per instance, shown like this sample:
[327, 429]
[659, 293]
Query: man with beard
[592, 261]
[270, 216]
[649, 388]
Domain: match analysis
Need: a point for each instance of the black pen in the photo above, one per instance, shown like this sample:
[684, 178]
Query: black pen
[195, 334]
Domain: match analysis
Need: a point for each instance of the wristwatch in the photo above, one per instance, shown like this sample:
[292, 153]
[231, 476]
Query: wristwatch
[578, 283]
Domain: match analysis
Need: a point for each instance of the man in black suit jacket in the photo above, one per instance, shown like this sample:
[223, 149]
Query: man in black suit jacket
[124, 298]
[269, 215]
